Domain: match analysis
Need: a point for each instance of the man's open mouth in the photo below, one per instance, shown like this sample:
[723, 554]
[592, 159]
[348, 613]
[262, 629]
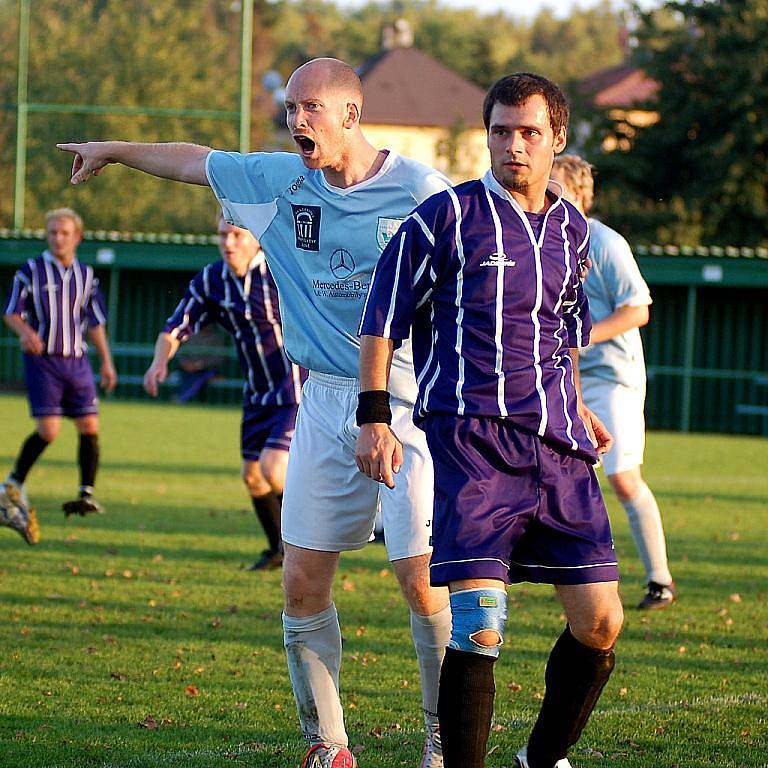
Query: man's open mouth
[305, 144]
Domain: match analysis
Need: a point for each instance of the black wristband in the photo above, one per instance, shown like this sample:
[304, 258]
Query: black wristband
[373, 407]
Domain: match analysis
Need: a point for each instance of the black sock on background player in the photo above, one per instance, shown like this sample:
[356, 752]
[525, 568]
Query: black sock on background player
[88, 457]
[575, 678]
[267, 508]
[465, 707]
[30, 452]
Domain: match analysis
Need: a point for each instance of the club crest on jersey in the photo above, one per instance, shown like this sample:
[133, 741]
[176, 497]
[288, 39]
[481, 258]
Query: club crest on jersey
[386, 229]
[498, 260]
[306, 222]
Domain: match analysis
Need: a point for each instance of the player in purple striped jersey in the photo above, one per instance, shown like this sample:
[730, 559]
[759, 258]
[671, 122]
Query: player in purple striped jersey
[487, 277]
[54, 304]
[240, 295]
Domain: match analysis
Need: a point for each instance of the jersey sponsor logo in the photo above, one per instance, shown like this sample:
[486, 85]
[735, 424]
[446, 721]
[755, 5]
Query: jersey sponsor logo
[296, 185]
[342, 264]
[306, 221]
[386, 229]
[498, 260]
[50, 287]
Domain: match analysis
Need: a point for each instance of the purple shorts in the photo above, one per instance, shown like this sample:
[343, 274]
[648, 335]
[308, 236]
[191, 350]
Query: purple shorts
[60, 386]
[266, 426]
[509, 507]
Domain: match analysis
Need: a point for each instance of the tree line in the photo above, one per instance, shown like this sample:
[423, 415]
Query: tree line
[695, 176]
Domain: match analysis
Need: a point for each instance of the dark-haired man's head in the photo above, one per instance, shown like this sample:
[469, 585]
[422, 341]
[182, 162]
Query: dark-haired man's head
[526, 117]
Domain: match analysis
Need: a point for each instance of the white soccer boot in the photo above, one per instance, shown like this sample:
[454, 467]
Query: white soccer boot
[521, 760]
[432, 756]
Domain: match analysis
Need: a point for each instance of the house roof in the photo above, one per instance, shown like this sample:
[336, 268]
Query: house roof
[621, 86]
[404, 86]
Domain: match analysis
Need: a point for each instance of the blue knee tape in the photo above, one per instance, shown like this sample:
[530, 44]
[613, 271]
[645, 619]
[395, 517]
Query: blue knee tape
[477, 610]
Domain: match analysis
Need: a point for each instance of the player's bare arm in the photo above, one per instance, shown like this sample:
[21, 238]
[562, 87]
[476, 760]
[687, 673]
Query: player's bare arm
[379, 454]
[166, 347]
[601, 438]
[620, 321]
[29, 339]
[176, 161]
[98, 337]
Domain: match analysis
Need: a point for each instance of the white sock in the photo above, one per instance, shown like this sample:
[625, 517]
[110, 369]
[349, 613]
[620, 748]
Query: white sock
[313, 647]
[430, 638]
[647, 531]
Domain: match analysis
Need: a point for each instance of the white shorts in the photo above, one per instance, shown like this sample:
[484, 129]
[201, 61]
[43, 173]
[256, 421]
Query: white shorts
[328, 504]
[620, 408]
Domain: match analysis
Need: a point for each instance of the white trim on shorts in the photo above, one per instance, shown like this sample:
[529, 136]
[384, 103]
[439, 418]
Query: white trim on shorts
[328, 504]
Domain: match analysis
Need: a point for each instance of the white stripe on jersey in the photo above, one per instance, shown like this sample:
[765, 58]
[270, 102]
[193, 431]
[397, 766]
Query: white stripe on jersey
[66, 348]
[460, 311]
[499, 368]
[560, 357]
[100, 318]
[238, 333]
[76, 312]
[424, 228]
[277, 330]
[393, 297]
[537, 306]
[52, 312]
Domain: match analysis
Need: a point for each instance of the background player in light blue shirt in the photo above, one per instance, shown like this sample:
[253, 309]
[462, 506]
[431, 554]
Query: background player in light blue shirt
[613, 376]
[323, 216]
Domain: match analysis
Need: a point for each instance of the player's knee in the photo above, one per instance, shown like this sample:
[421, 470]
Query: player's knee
[478, 621]
[303, 592]
[253, 479]
[274, 476]
[626, 485]
[600, 631]
[48, 432]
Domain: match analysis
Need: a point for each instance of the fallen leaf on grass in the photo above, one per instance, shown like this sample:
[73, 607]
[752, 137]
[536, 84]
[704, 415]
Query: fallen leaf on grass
[515, 687]
[118, 676]
[192, 690]
[149, 723]
[735, 597]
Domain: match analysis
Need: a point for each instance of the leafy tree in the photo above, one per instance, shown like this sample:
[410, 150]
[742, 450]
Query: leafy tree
[699, 173]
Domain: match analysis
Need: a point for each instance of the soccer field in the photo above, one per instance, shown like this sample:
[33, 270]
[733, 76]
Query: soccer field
[135, 639]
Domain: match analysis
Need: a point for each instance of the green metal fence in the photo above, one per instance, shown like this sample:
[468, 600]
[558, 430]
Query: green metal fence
[706, 345]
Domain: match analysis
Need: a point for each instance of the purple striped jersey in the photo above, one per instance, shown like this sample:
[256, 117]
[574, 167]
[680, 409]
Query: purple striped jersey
[247, 309]
[492, 306]
[59, 302]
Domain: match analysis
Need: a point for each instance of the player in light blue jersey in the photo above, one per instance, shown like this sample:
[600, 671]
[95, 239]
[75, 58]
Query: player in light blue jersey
[613, 376]
[323, 216]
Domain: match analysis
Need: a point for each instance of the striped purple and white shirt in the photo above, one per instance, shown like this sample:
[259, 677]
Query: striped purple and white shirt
[59, 302]
[247, 309]
[493, 306]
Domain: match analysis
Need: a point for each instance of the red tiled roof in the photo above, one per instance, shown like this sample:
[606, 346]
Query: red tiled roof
[622, 86]
[406, 87]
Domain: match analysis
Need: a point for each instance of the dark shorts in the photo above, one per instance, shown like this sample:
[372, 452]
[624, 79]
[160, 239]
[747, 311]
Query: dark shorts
[509, 507]
[266, 426]
[60, 386]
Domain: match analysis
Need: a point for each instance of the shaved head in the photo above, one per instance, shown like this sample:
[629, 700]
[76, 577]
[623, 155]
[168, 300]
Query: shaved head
[333, 75]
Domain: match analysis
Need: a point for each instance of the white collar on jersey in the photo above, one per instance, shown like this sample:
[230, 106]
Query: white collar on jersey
[385, 168]
[490, 181]
[256, 261]
[49, 257]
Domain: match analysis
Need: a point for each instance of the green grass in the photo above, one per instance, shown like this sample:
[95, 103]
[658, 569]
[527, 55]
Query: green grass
[110, 620]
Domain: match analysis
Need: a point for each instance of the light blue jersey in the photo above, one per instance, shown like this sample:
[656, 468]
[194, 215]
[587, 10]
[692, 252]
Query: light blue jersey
[322, 244]
[614, 281]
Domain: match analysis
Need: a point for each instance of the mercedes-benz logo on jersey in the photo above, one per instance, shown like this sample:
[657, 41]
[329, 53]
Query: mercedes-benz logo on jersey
[342, 264]
[306, 220]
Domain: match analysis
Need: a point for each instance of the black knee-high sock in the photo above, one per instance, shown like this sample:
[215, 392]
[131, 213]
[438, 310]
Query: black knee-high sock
[268, 511]
[30, 451]
[465, 707]
[89, 462]
[576, 675]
